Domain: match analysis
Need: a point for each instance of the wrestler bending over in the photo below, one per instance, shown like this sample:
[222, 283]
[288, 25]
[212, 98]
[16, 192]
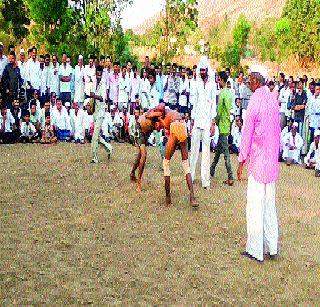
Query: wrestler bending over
[176, 126]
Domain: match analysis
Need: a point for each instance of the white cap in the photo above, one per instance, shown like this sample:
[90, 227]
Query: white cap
[295, 124]
[67, 104]
[1, 44]
[22, 51]
[80, 57]
[262, 70]
[317, 133]
[203, 64]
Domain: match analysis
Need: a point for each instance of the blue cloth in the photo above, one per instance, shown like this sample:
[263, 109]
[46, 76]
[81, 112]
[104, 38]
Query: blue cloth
[63, 134]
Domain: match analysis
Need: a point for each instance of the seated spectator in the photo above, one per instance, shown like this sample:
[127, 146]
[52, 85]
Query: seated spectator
[293, 143]
[35, 118]
[35, 100]
[310, 159]
[89, 122]
[7, 123]
[61, 122]
[117, 123]
[28, 130]
[48, 136]
[78, 123]
[17, 115]
[236, 133]
[46, 109]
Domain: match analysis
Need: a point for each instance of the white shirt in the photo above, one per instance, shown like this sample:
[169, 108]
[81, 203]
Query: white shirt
[124, 85]
[23, 71]
[65, 71]
[79, 83]
[107, 124]
[89, 79]
[33, 73]
[193, 90]
[43, 80]
[3, 64]
[296, 141]
[61, 119]
[284, 97]
[78, 123]
[204, 109]
[184, 86]
[54, 82]
[28, 129]
[314, 111]
[236, 135]
[117, 120]
[88, 121]
[8, 123]
[100, 106]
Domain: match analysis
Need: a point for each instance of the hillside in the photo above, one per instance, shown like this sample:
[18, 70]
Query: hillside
[212, 12]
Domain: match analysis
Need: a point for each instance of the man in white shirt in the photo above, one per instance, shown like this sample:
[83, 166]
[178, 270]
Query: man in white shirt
[153, 95]
[293, 143]
[22, 64]
[33, 74]
[100, 96]
[65, 75]
[54, 82]
[193, 81]
[28, 130]
[124, 84]
[43, 82]
[203, 122]
[90, 77]
[79, 82]
[183, 91]
[77, 119]
[61, 122]
[284, 96]
[6, 125]
[314, 111]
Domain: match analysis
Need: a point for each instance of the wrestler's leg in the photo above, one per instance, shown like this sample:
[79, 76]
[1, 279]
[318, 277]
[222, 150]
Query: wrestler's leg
[135, 166]
[143, 158]
[169, 151]
[186, 168]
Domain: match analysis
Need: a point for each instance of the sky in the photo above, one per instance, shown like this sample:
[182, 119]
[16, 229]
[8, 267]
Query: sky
[139, 11]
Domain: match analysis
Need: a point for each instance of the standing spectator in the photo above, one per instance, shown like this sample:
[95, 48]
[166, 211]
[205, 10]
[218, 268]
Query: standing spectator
[259, 149]
[224, 124]
[144, 90]
[79, 82]
[54, 82]
[314, 111]
[90, 77]
[284, 99]
[183, 92]
[202, 125]
[173, 87]
[124, 83]
[135, 88]
[153, 94]
[11, 80]
[33, 74]
[159, 81]
[43, 82]
[3, 64]
[299, 105]
[65, 75]
[22, 64]
[114, 85]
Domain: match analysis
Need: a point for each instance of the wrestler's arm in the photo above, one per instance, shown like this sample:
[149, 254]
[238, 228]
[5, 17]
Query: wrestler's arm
[153, 114]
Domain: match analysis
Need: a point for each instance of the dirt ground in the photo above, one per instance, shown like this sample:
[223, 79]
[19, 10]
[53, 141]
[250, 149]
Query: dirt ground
[75, 233]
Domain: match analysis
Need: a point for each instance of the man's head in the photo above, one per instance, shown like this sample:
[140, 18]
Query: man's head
[144, 73]
[34, 53]
[258, 77]
[53, 98]
[137, 112]
[59, 104]
[183, 72]
[27, 117]
[312, 87]
[228, 72]
[99, 70]
[33, 109]
[47, 59]
[76, 106]
[41, 61]
[16, 104]
[12, 57]
[124, 70]
[47, 121]
[294, 128]
[64, 59]
[194, 69]
[271, 86]
[108, 62]
[239, 121]
[152, 77]
[223, 78]
[68, 60]
[281, 77]
[102, 60]
[168, 69]
[11, 48]
[35, 95]
[1, 48]
[3, 111]
[54, 60]
[22, 56]
[317, 89]
[129, 66]
[147, 62]
[135, 70]
[47, 106]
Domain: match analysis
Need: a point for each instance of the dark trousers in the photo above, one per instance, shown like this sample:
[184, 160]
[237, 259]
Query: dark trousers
[222, 148]
[65, 97]
[7, 137]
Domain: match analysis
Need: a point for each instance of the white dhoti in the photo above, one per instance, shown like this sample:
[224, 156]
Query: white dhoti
[262, 221]
[198, 135]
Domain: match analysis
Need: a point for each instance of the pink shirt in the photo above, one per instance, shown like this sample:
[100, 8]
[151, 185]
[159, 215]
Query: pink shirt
[114, 87]
[260, 144]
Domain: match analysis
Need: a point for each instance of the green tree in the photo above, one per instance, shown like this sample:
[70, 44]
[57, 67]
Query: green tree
[232, 56]
[303, 16]
[15, 18]
[240, 33]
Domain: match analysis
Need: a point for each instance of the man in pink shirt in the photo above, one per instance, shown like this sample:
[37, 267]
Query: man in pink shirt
[259, 150]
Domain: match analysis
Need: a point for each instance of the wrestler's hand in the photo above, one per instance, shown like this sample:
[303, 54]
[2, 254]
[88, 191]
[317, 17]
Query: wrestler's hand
[240, 171]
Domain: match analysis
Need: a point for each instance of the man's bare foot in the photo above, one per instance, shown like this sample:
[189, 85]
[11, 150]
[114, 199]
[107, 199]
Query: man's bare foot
[133, 177]
[139, 188]
[229, 182]
[168, 201]
[193, 203]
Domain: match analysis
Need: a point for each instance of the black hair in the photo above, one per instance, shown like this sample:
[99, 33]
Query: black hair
[124, 67]
[99, 68]
[27, 113]
[136, 96]
[223, 76]
[102, 57]
[12, 53]
[47, 114]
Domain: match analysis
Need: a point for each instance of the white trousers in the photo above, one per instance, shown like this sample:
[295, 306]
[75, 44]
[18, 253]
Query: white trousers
[198, 135]
[262, 221]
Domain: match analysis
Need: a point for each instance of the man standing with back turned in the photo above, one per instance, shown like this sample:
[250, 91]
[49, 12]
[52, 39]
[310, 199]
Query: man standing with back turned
[259, 149]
